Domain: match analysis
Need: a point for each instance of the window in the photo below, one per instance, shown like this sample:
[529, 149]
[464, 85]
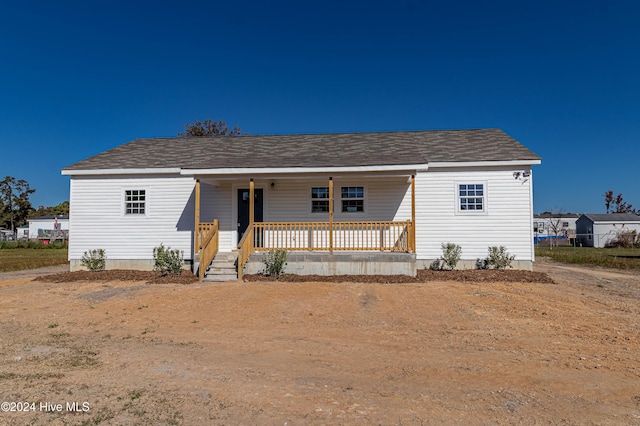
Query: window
[320, 199]
[352, 199]
[565, 224]
[134, 201]
[471, 197]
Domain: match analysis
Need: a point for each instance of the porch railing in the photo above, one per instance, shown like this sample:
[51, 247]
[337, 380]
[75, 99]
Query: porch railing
[208, 237]
[329, 236]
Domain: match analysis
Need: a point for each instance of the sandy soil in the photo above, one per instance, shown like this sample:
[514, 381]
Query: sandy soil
[324, 353]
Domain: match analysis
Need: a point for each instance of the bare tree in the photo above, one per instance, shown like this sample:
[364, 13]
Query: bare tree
[608, 199]
[617, 204]
[208, 129]
[555, 223]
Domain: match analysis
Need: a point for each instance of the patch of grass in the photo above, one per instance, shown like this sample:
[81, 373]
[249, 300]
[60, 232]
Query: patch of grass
[16, 259]
[617, 258]
[57, 336]
[81, 358]
[30, 376]
[53, 325]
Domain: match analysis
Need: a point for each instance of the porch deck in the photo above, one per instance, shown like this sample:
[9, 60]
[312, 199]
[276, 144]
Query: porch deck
[329, 236]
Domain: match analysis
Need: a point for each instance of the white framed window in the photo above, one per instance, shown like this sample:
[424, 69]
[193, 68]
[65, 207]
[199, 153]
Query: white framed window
[320, 199]
[352, 198]
[135, 202]
[471, 197]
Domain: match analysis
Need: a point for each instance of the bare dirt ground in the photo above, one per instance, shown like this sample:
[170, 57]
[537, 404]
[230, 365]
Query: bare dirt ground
[437, 352]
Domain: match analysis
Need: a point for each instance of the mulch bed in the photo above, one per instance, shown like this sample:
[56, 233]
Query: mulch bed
[426, 275]
[149, 277]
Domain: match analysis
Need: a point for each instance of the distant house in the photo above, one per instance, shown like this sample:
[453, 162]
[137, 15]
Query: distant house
[339, 203]
[597, 230]
[6, 234]
[22, 232]
[545, 225]
[49, 227]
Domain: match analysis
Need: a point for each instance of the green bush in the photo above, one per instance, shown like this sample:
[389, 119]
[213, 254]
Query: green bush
[94, 260]
[275, 261]
[499, 258]
[167, 261]
[33, 244]
[451, 254]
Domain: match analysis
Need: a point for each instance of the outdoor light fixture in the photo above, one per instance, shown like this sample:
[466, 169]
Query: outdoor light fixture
[516, 175]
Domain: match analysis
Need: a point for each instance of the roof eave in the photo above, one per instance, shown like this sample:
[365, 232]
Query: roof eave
[303, 170]
[102, 172]
[442, 164]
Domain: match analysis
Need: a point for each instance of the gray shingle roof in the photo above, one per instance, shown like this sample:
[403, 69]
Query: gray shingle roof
[313, 150]
[613, 217]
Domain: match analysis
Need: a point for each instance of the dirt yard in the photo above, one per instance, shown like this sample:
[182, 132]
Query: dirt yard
[126, 352]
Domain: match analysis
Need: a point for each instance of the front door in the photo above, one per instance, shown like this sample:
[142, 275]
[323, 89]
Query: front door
[243, 209]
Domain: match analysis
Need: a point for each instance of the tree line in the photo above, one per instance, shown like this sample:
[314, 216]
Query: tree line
[16, 208]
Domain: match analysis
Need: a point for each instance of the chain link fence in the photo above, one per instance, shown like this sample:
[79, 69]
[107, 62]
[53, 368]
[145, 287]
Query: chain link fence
[611, 239]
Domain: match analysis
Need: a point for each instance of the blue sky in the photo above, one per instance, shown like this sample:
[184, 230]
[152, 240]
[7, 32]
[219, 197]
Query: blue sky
[563, 78]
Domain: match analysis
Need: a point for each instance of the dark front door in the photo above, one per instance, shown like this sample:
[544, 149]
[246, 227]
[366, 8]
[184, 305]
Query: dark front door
[243, 209]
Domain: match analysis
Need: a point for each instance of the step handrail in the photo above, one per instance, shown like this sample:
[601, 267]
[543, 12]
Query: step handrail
[209, 246]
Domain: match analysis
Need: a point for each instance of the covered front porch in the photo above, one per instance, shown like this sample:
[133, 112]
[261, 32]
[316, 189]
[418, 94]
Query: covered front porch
[317, 230]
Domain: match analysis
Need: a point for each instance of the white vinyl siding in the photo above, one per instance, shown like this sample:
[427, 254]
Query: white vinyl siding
[97, 219]
[507, 222]
[216, 203]
[289, 200]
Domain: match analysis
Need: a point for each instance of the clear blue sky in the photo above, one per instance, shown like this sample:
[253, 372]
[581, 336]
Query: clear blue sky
[562, 77]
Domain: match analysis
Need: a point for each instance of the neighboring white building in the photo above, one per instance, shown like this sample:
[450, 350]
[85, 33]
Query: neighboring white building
[22, 232]
[48, 227]
[597, 230]
[391, 192]
[6, 235]
[545, 226]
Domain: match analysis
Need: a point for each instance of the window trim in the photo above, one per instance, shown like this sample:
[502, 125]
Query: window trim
[363, 199]
[124, 202]
[485, 197]
[312, 199]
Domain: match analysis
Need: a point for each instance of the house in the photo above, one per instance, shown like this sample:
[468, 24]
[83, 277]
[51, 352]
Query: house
[600, 230]
[48, 228]
[6, 235]
[362, 203]
[554, 226]
[22, 232]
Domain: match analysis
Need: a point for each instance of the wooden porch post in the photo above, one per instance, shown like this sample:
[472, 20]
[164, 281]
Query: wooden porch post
[330, 214]
[251, 202]
[413, 213]
[196, 238]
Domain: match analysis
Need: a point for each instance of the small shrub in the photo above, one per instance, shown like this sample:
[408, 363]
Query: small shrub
[499, 258]
[167, 261]
[624, 239]
[274, 262]
[94, 260]
[451, 253]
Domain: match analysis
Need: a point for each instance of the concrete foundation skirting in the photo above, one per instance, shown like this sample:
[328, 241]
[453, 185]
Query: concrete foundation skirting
[308, 263]
[525, 265]
[133, 264]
